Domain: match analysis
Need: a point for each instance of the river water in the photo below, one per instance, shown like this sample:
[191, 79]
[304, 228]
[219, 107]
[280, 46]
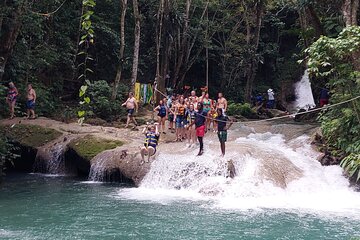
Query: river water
[42, 207]
[188, 197]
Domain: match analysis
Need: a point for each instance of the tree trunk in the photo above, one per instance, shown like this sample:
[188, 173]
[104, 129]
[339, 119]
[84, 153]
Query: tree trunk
[159, 29]
[9, 32]
[183, 45]
[122, 48]
[315, 21]
[136, 44]
[253, 37]
[349, 10]
[2, 12]
[187, 62]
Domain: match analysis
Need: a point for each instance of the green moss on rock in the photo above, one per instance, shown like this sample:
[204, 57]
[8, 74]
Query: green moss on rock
[30, 135]
[89, 146]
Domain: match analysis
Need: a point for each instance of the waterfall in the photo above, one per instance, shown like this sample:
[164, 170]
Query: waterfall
[270, 173]
[56, 164]
[50, 159]
[303, 93]
[98, 169]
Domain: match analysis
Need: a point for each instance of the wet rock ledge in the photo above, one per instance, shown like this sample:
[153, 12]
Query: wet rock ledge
[55, 151]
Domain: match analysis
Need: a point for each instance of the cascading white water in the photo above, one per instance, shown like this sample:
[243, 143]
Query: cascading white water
[295, 180]
[56, 164]
[50, 159]
[303, 93]
[98, 170]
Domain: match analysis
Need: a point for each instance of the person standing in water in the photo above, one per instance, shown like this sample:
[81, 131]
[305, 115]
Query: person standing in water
[222, 128]
[207, 105]
[171, 113]
[200, 126]
[131, 107]
[162, 109]
[180, 119]
[190, 118]
[11, 98]
[30, 103]
[151, 141]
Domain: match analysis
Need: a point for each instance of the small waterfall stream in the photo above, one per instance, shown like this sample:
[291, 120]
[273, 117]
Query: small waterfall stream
[50, 159]
[57, 163]
[303, 92]
[97, 169]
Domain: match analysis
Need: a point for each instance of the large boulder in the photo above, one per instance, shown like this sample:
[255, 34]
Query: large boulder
[122, 164]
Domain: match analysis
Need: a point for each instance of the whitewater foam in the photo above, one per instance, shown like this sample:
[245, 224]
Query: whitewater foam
[185, 176]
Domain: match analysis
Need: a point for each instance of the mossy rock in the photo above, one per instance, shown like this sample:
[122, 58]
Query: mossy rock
[89, 146]
[30, 135]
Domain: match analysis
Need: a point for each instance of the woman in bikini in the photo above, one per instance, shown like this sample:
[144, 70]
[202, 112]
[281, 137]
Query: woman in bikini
[190, 118]
[11, 99]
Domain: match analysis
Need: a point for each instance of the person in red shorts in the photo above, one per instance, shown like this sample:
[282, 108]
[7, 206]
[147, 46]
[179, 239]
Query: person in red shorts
[200, 126]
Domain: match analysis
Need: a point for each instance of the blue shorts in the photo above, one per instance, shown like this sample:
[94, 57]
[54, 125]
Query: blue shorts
[30, 104]
[179, 122]
[130, 112]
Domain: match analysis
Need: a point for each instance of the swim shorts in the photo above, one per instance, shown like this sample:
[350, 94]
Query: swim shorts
[30, 104]
[200, 131]
[222, 135]
[179, 122]
[130, 112]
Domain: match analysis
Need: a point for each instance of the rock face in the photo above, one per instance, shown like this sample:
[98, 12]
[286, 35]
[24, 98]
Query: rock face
[77, 151]
[122, 164]
[280, 171]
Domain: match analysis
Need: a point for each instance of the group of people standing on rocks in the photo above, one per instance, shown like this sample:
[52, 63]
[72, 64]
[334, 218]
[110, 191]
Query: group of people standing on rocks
[12, 97]
[188, 117]
[259, 99]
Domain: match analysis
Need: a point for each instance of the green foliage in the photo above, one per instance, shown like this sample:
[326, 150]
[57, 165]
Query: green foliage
[3, 104]
[86, 40]
[236, 109]
[351, 165]
[101, 105]
[7, 154]
[335, 60]
[46, 103]
[331, 55]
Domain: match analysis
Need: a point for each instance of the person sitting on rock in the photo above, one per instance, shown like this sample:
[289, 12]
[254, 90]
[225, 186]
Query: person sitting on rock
[151, 141]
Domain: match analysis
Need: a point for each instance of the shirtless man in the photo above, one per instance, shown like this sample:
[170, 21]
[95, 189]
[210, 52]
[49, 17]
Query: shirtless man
[30, 103]
[131, 107]
[222, 103]
[193, 99]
